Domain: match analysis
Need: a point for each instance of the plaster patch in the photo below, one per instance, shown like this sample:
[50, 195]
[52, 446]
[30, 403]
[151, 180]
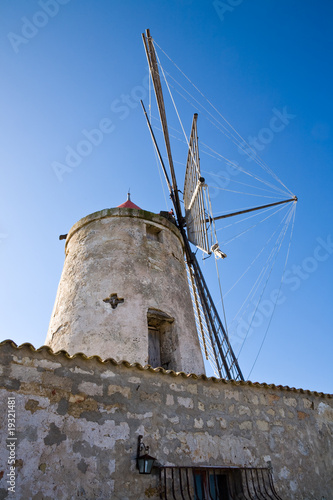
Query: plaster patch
[232, 395]
[198, 423]
[192, 388]
[26, 373]
[212, 391]
[187, 402]
[170, 400]
[76, 398]
[114, 389]
[246, 426]
[173, 420]
[222, 422]
[91, 388]
[284, 473]
[293, 486]
[254, 399]
[155, 397]
[48, 365]
[107, 374]
[244, 410]
[290, 402]
[24, 361]
[112, 466]
[262, 425]
[307, 403]
[177, 388]
[76, 369]
[134, 380]
[139, 416]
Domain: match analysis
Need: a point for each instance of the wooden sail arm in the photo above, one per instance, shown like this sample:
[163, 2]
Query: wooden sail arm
[153, 67]
[252, 209]
[226, 361]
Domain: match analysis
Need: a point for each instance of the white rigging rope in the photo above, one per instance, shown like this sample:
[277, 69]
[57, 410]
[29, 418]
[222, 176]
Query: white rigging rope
[225, 132]
[273, 254]
[258, 280]
[230, 179]
[247, 194]
[241, 139]
[277, 295]
[226, 160]
[251, 227]
[180, 121]
[232, 134]
[256, 214]
[214, 239]
[238, 167]
[253, 261]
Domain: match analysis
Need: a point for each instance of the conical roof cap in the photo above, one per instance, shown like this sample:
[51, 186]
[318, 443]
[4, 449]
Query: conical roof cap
[129, 204]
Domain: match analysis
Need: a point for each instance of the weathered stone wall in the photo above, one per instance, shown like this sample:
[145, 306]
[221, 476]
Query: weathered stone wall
[138, 256]
[78, 421]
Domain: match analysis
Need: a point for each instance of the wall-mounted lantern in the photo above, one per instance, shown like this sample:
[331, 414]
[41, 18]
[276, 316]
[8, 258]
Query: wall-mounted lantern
[144, 461]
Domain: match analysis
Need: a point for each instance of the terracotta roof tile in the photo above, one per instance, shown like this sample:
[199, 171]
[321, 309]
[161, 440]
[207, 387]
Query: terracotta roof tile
[149, 368]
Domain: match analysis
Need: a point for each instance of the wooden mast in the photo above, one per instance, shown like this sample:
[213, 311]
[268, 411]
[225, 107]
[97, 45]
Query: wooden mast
[225, 358]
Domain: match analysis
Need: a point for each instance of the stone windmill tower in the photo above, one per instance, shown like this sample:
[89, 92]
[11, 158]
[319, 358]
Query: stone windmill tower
[123, 292]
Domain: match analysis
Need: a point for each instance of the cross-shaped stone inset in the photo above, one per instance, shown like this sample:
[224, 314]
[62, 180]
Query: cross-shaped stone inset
[113, 300]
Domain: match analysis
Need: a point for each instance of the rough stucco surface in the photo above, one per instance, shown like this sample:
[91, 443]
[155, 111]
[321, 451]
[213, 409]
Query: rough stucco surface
[110, 252]
[78, 422]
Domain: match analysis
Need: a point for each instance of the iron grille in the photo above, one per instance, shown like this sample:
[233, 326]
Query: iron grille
[217, 483]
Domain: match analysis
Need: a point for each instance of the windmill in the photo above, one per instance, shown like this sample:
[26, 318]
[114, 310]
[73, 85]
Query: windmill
[197, 227]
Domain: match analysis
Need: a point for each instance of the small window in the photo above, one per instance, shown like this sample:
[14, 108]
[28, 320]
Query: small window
[160, 343]
[153, 233]
[154, 347]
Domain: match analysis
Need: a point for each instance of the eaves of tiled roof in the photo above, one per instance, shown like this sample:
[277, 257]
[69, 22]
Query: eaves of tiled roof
[149, 368]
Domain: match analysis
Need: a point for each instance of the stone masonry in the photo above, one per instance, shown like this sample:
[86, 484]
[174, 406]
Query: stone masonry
[78, 420]
[123, 267]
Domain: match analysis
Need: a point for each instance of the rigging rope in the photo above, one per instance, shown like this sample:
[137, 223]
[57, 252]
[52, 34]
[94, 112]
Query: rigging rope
[257, 157]
[258, 280]
[238, 140]
[214, 237]
[174, 105]
[238, 167]
[249, 217]
[248, 194]
[251, 264]
[229, 162]
[278, 294]
[276, 251]
[251, 227]
[229, 179]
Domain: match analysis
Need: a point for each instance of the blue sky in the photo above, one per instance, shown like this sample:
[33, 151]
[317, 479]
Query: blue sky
[70, 67]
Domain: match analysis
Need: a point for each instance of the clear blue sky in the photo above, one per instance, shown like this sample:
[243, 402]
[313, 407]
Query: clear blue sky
[69, 67]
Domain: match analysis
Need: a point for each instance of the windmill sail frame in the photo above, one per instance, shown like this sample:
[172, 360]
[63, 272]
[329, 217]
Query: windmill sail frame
[195, 214]
[214, 333]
